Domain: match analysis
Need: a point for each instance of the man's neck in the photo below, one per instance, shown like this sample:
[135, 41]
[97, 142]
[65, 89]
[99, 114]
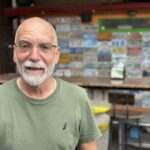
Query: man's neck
[38, 92]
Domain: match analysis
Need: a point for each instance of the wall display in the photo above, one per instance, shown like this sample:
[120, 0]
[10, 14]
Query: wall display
[110, 55]
[119, 55]
[119, 51]
[135, 48]
[133, 67]
[104, 58]
[146, 54]
[124, 25]
[87, 52]
[78, 43]
[104, 36]
[83, 35]
[117, 72]
[90, 58]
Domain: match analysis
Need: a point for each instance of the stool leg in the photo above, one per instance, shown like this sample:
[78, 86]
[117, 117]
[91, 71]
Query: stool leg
[140, 136]
[122, 135]
[110, 134]
[126, 136]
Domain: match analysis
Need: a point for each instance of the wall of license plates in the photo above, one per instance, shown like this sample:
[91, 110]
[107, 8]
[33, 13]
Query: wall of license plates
[87, 52]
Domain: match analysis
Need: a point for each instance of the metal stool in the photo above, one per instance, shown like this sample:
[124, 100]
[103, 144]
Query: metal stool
[124, 117]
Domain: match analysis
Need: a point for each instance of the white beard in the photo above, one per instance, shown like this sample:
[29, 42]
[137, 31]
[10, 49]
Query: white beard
[35, 79]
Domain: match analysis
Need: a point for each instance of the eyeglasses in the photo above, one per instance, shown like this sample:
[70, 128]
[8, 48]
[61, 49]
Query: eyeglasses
[25, 46]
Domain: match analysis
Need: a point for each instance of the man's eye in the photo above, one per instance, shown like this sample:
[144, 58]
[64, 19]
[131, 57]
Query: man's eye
[25, 46]
[45, 47]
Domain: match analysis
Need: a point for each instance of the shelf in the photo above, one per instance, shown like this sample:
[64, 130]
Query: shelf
[96, 82]
[21, 11]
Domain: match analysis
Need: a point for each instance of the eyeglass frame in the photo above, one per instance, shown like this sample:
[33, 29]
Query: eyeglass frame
[41, 48]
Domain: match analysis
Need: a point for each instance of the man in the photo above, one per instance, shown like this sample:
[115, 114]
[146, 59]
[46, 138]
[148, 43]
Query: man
[38, 111]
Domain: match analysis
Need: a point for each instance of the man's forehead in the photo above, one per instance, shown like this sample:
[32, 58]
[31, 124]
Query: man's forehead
[35, 21]
[35, 27]
[35, 24]
[27, 32]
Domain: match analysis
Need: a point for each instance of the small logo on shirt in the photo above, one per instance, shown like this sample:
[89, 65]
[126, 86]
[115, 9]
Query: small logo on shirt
[64, 126]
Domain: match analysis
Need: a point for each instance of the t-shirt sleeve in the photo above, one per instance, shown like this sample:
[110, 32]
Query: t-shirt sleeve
[89, 130]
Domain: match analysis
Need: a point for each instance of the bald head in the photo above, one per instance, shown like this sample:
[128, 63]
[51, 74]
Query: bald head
[35, 26]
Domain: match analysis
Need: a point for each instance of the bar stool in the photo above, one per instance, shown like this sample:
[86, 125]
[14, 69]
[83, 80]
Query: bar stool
[125, 117]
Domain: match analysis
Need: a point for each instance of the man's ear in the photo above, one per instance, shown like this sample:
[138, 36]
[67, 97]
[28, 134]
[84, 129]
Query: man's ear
[57, 53]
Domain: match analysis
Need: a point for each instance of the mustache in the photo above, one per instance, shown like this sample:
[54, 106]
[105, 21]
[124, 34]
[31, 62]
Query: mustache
[38, 64]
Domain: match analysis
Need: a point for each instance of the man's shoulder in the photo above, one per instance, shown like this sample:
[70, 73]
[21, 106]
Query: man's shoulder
[7, 88]
[72, 89]
[70, 85]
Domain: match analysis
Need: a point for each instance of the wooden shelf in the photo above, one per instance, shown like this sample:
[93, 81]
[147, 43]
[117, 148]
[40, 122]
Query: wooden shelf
[96, 82]
[21, 11]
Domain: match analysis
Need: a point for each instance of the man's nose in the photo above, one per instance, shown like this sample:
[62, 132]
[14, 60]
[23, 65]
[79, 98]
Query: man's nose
[34, 54]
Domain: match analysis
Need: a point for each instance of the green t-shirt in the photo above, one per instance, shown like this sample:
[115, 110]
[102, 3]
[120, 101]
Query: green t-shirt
[58, 122]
